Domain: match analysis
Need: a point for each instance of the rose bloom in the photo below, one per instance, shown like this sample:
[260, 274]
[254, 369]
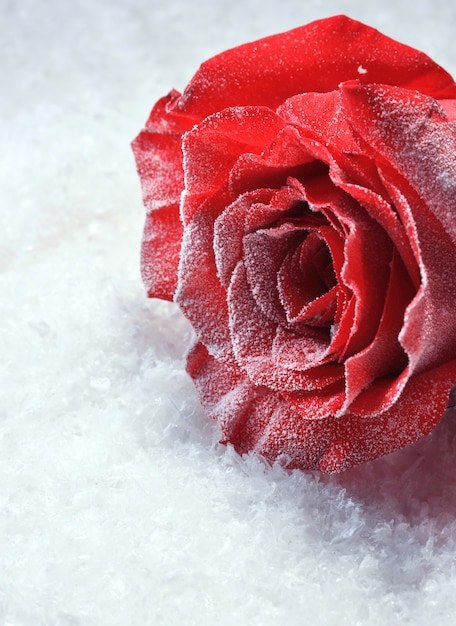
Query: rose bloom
[301, 210]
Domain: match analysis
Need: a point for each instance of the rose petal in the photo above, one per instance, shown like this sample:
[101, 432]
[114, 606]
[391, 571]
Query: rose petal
[350, 439]
[227, 396]
[319, 404]
[287, 155]
[252, 418]
[166, 118]
[301, 351]
[416, 412]
[363, 261]
[384, 356]
[256, 419]
[301, 304]
[200, 295]
[212, 148]
[414, 136]
[160, 252]
[428, 334]
[384, 213]
[317, 57]
[264, 253]
[248, 212]
[321, 117]
[159, 163]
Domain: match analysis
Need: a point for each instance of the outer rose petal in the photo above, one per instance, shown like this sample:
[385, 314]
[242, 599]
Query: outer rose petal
[160, 252]
[247, 414]
[415, 414]
[200, 295]
[159, 162]
[229, 397]
[258, 419]
[268, 71]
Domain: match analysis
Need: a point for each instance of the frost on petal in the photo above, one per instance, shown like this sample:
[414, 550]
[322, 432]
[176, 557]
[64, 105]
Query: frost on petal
[272, 170]
[165, 119]
[253, 336]
[160, 252]
[254, 418]
[323, 402]
[388, 215]
[413, 134]
[264, 253]
[303, 350]
[159, 163]
[320, 116]
[260, 420]
[249, 211]
[429, 334]
[416, 412]
[226, 395]
[212, 148]
[200, 295]
[307, 279]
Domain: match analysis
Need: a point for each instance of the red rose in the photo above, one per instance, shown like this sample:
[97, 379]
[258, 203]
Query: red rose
[301, 198]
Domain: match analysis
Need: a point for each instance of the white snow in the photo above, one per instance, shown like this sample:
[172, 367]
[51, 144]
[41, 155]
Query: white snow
[117, 506]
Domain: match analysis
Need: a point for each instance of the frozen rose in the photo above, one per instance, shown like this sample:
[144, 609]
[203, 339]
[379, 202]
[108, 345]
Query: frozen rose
[301, 210]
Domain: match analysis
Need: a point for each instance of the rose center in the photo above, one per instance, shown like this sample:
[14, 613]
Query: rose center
[307, 282]
[316, 268]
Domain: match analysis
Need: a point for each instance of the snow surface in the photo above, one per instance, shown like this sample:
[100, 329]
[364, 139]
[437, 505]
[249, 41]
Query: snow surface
[117, 506]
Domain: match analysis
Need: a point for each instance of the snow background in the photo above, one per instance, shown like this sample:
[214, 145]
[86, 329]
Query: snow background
[117, 505]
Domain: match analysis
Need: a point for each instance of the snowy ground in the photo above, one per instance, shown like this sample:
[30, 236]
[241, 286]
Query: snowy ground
[117, 507]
